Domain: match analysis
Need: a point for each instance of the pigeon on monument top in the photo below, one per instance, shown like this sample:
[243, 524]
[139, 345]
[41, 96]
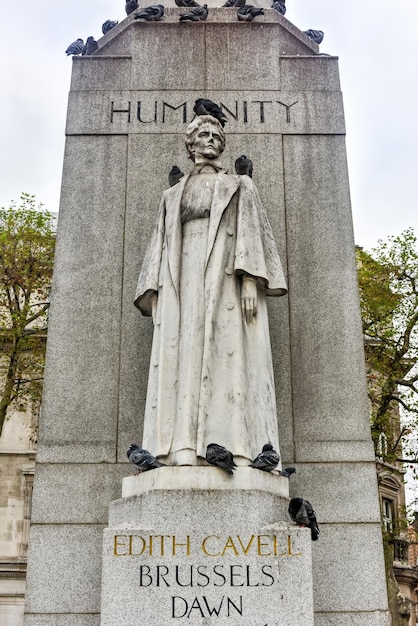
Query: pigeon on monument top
[247, 13]
[267, 460]
[244, 165]
[131, 6]
[302, 513]
[279, 6]
[198, 14]
[288, 471]
[203, 106]
[316, 35]
[221, 457]
[75, 48]
[142, 460]
[234, 3]
[187, 3]
[174, 175]
[90, 47]
[108, 25]
[151, 14]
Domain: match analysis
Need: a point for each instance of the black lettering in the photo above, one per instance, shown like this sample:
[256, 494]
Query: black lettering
[161, 575]
[287, 107]
[262, 103]
[234, 115]
[215, 571]
[144, 571]
[245, 109]
[113, 110]
[249, 577]
[195, 605]
[199, 567]
[233, 575]
[173, 606]
[263, 569]
[187, 584]
[238, 610]
[184, 105]
[138, 113]
[213, 610]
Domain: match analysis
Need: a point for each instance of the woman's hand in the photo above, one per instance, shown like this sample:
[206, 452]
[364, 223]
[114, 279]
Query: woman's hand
[249, 298]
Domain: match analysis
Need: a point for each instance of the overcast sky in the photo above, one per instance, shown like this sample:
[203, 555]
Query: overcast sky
[376, 43]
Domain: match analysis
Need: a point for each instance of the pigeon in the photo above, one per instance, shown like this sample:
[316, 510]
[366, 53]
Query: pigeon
[279, 6]
[316, 35]
[221, 457]
[187, 3]
[247, 13]
[75, 48]
[244, 165]
[131, 6]
[108, 25]
[174, 175]
[198, 14]
[151, 14]
[203, 106]
[267, 460]
[288, 471]
[234, 3]
[142, 460]
[302, 513]
[90, 47]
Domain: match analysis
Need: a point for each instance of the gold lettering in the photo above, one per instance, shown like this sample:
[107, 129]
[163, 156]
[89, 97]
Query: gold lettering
[229, 546]
[131, 545]
[261, 545]
[289, 551]
[117, 544]
[204, 545]
[186, 545]
[246, 549]
[274, 545]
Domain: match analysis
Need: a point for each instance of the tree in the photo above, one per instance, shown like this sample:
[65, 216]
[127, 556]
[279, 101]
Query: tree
[27, 242]
[388, 280]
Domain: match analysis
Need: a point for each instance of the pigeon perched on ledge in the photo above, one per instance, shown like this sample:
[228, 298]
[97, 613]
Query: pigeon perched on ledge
[247, 13]
[142, 460]
[279, 6]
[75, 48]
[188, 4]
[302, 513]
[198, 14]
[131, 6]
[108, 25]
[267, 460]
[244, 165]
[204, 106]
[316, 35]
[151, 14]
[221, 457]
[288, 471]
[90, 47]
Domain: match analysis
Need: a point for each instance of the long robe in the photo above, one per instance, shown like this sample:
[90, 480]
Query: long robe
[235, 386]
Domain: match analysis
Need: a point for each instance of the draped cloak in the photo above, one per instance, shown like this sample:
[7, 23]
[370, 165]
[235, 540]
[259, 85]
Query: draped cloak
[237, 406]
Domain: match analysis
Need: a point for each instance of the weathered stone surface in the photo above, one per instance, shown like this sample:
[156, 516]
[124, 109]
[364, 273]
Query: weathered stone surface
[375, 618]
[62, 620]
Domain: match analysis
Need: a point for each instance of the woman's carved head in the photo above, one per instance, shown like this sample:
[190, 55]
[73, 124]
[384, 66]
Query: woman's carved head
[205, 137]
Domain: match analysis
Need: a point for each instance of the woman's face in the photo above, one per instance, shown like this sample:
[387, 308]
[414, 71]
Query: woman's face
[207, 142]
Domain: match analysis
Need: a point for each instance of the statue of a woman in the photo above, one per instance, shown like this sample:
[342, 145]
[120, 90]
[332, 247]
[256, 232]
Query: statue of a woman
[210, 264]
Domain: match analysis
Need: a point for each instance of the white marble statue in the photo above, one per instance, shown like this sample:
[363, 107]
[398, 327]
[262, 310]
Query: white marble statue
[210, 264]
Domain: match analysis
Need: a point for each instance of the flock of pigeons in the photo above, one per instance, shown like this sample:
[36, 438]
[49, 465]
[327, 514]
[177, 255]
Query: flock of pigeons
[196, 13]
[300, 510]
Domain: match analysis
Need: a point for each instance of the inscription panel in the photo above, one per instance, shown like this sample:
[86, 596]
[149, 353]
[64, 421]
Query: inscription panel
[123, 112]
[234, 579]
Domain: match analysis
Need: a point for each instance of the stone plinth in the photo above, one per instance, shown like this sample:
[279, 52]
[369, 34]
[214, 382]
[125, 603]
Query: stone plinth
[205, 555]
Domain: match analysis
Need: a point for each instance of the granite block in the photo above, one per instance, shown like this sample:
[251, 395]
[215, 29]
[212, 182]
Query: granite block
[81, 375]
[349, 557]
[334, 451]
[335, 493]
[65, 569]
[32, 619]
[328, 371]
[76, 494]
[100, 73]
[309, 73]
[374, 618]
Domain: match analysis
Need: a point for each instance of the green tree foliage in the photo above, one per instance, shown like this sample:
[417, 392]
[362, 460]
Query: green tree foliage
[27, 243]
[388, 280]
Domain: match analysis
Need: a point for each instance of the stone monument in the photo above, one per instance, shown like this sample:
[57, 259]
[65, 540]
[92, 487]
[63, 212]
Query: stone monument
[192, 544]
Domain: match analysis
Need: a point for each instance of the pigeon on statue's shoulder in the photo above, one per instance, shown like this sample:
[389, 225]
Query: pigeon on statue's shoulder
[244, 165]
[174, 175]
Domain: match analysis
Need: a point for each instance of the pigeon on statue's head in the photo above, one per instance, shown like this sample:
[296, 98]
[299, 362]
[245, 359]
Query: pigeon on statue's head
[204, 106]
[302, 513]
[267, 460]
[142, 460]
[221, 457]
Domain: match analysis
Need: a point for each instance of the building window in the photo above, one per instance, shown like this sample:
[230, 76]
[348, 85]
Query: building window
[387, 515]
